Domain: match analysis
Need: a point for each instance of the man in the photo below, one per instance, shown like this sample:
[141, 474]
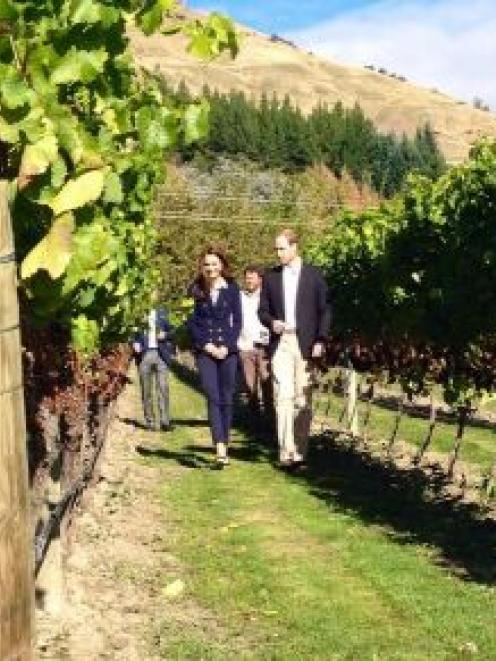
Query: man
[153, 350]
[253, 343]
[294, 307]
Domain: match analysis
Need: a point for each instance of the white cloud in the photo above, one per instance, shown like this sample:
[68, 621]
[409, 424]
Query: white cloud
[447, 44]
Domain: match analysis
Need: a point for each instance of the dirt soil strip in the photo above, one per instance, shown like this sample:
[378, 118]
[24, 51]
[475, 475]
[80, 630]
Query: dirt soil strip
[118, 564]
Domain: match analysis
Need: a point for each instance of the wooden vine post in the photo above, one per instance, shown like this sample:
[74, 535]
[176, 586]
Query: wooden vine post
[16, 575]
[352, 394]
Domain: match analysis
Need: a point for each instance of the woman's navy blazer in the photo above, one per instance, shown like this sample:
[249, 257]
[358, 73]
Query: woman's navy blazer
[218, 323]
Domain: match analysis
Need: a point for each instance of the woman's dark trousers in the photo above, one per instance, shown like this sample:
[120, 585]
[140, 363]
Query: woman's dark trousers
[218, 380]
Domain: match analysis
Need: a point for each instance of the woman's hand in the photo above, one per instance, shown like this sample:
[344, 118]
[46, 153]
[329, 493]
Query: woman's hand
[222, 352]
[216, 352]
[210, 348]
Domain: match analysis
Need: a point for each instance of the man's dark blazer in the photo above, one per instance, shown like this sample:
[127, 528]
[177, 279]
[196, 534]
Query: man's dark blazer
[313, 312]
[165, 347]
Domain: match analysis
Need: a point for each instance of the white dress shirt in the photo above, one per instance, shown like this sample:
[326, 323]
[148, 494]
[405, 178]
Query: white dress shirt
[252, 330]
[152, 329]
[290, 279]
[215, 291]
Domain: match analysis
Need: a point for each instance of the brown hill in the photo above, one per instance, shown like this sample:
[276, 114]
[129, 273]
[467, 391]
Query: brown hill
[269, 66]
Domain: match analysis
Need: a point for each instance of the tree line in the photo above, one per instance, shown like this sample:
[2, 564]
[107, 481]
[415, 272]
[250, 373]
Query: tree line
[276, 134]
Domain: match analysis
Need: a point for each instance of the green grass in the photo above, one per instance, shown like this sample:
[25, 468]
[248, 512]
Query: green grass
[345, 561]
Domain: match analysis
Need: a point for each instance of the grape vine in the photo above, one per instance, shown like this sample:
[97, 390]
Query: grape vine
[412, 284]
[82, 138]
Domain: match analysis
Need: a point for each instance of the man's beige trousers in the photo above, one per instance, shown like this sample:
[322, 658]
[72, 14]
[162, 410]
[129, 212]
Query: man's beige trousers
[293, 398]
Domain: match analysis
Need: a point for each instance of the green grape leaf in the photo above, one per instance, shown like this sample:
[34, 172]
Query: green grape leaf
[196, 121]
[79, 66]
[103, 273]
[86, 297]
[85, 334]
[53, 253]
[58, 173]
[168, 5]
[150, 19]
[70, 139]
[170, 30]
[6, 52]
[221, 25]
[85, 11]
[14, 91]
[93, 246]
[37, 158]
[156, 129]
[112, 190]
[109, 16]
[8, 11]
[201, 45]
[8, 132]
[211, 37]
[76, 193]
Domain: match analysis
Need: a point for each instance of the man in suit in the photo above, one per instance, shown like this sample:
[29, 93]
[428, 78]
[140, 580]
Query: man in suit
[153, 349]
[252, 344]
[295, 309]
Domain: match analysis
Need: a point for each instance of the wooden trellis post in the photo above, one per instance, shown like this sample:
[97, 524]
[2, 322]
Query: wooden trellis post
[16, 575]
[352, 409]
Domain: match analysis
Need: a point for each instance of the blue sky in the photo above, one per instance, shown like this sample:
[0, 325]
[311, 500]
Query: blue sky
[449, 45]
[279, 15]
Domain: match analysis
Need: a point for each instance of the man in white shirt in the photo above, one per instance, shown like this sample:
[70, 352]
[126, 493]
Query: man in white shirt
[294, 307]
[253, 343]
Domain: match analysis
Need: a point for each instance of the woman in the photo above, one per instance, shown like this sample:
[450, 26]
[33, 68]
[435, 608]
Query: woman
[215, 326]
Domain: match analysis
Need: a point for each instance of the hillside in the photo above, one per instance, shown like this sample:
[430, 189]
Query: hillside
[275, 67]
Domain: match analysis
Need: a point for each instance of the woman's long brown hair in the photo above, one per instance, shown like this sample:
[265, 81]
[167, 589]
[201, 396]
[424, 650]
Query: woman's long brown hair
[199, 286]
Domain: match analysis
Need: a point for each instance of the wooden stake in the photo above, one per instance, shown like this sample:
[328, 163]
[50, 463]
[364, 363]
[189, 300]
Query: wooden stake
[463, 412]
[428, 438]
[16, 573]
[352, 411]
[397, 420]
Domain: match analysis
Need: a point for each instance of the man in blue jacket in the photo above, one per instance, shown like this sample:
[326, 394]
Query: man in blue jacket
[153, 349]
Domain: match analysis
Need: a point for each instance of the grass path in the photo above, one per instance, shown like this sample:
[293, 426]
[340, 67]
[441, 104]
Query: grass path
[348, 560]
[344, 562]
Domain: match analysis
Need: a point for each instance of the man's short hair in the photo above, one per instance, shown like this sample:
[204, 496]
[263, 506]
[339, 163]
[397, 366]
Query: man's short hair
[253, 268]
[289, 234]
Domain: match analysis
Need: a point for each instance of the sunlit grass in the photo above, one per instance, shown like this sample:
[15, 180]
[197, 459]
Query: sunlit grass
[285, 568]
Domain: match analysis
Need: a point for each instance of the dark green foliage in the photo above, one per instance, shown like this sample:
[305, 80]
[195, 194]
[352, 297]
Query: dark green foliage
[277, 135]
[412, 283]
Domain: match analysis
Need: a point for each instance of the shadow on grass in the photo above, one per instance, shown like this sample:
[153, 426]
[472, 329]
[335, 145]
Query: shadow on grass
[412, 506]
[132, 422]
[177, 422]
[189, 422]
[186, 458]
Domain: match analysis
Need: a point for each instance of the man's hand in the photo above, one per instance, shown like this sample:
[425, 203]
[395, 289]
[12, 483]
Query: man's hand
[317, 350]
[278, 326]
[161, 335]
